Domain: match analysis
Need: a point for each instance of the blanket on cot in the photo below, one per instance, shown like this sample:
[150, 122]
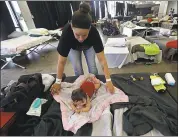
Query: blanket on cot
[102, 99]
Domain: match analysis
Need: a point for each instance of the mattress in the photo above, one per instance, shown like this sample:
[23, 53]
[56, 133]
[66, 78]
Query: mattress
[17, 45]
[161, 41]
[136, 40]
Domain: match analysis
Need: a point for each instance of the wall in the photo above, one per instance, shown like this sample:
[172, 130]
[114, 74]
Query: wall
[173, 5]
[162, 9]
[26, 14]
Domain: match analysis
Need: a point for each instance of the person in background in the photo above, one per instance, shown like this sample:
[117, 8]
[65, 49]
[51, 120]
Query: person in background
[77, 37]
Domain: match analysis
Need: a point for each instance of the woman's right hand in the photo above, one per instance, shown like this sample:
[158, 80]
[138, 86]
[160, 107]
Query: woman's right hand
[55, 88]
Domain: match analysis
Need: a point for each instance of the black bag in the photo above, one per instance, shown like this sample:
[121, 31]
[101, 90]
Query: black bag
[22, 93]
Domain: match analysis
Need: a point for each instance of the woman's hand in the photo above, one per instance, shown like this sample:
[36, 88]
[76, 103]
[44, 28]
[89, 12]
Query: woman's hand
[55, 89]
[110, 87]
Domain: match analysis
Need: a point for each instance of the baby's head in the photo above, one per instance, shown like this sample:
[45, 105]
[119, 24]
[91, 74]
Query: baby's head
[79, 97]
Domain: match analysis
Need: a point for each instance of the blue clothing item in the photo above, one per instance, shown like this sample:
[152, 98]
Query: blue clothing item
[76, 60]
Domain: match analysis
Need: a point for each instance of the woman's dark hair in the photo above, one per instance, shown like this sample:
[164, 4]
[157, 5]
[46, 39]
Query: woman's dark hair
[81, 18]
[78, 95]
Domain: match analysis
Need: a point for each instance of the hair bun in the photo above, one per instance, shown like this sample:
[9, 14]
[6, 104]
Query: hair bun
[84, 7]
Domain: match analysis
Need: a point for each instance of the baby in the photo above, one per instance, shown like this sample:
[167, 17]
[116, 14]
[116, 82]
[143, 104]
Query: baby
[80, 101]
[81, 97]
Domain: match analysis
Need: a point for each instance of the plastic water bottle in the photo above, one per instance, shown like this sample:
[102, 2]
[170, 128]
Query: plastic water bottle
[169, 78]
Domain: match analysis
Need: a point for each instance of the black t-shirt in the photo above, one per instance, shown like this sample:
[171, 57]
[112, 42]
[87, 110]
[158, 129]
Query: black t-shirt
[68, 41]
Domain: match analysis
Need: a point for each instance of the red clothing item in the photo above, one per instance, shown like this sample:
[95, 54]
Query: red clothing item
[88, 87]
[149, 20]
[172, 44]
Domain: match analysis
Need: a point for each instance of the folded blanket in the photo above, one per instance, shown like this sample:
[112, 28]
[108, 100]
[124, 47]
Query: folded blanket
[73, 121]
[151, 49]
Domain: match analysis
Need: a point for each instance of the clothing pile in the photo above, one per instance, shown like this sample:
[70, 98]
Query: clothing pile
[109, 29]
[149, 49]
[25, 98]
[19, 95]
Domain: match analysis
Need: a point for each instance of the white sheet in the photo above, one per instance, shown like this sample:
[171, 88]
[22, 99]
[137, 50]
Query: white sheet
[102, 127]
[116, 56]
[17, 45]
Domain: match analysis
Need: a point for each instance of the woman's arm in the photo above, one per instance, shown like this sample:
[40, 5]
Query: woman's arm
[55, 88]
[61, 66]
[104, 65]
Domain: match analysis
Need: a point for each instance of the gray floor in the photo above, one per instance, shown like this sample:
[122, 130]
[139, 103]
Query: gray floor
[48, 64]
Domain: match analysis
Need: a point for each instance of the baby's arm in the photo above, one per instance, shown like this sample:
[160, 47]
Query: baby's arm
[88, 106]
[72, 106]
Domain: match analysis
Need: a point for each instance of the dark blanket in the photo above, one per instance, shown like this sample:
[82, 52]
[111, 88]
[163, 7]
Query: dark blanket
[51, 123]
[147, 108]
[146, 114]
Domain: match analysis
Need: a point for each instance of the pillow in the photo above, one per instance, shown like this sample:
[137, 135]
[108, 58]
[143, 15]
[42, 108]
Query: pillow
[139, 17]
[155, 19]
[173, 37]
[115, 42]
[47, 80]
[38, 31]
[16, 34]
[164, 32]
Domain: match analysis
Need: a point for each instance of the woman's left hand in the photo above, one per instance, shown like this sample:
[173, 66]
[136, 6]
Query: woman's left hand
[110, 87]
